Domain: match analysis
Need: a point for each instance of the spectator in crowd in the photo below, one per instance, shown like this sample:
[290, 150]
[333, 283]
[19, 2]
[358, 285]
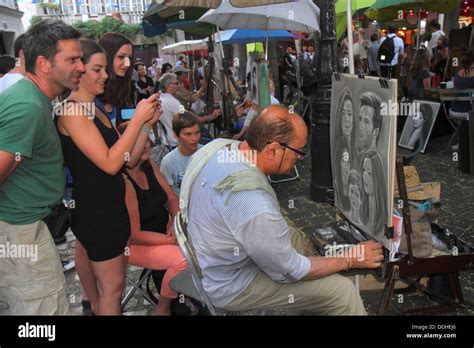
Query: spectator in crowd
[18, 72]
[420, 74]
[32, 177]
[390, 70]
[200, 69]
[360, 49]
[372, 55]
[181, 61]
[441, 57]
[144, 84]
[96, 154]
[185, 96]
[7, 63]
[153, 70]
[463, 79]
[251, 114]
[166, 68]
[309, 54]
[170, 105]
[289, 59]
[230, 203]
[117, 95]
[152, 205]
[118, 88]
[187, 130]
[436, 32]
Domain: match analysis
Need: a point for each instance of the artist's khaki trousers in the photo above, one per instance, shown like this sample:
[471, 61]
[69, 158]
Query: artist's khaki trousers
[332, 295]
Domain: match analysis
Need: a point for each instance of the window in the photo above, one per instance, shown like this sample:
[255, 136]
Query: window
[137, 5]
[111, 6]
[68, 7]
[81, 6]
[95, 6]
[124, 5]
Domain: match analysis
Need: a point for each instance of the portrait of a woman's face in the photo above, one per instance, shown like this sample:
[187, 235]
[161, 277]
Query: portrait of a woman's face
[354, 196]
[367, 177]
[346, 119]
[345, 169]
[418, 120]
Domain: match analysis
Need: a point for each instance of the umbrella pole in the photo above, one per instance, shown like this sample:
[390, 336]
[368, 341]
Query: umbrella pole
[266, 46]
[419, 31]
[266, 39]
[220, 42]
[350, 38]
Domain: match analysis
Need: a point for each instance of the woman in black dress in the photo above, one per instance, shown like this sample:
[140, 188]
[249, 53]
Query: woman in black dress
[96, 155]
[144, 85]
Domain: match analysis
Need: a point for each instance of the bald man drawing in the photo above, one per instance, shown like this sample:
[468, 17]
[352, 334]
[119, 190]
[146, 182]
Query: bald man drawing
[249, 256]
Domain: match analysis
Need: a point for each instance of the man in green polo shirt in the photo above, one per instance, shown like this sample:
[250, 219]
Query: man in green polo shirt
[32, 177]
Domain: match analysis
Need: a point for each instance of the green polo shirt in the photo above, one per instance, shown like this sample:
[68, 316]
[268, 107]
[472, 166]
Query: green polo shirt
[27, 130]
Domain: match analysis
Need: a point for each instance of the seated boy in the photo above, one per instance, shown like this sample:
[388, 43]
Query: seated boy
[187, 130]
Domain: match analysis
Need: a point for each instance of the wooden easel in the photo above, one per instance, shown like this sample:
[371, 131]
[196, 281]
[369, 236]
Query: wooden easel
[409, 267]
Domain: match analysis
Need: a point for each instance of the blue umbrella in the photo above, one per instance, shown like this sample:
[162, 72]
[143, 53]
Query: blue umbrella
[242, 36]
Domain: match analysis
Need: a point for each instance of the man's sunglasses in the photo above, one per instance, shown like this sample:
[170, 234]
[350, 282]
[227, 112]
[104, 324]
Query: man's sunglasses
[298, 152]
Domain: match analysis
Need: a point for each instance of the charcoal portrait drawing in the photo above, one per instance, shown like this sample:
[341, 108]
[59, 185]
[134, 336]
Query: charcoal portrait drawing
[363, 151]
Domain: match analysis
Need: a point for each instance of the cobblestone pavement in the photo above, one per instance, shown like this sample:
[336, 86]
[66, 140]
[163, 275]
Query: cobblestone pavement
[457, 197]
[457, 194]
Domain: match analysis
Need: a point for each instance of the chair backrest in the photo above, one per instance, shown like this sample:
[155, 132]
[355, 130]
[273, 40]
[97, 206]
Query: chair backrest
[193, 266]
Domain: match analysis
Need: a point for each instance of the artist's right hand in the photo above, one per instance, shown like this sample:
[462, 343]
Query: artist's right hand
[371, 255]
[147, 107]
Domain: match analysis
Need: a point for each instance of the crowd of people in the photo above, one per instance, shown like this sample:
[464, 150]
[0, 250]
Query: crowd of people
[124, 202]
[417, 68]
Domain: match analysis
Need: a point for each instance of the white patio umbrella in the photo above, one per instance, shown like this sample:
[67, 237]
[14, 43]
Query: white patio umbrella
[184, 46]
[299, 15]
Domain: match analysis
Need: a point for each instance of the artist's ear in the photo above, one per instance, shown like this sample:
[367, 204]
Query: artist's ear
[271, 150]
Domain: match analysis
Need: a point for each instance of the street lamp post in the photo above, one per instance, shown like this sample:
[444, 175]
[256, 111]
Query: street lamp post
[321, 178]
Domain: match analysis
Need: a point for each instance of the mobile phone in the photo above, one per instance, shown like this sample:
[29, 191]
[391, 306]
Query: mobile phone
[127, 114]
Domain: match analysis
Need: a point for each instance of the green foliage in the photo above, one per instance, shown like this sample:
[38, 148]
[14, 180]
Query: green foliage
[35, 19]
[95, 29]
[53, 6]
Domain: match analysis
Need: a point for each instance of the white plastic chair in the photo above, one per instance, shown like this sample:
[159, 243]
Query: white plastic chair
[189, 282]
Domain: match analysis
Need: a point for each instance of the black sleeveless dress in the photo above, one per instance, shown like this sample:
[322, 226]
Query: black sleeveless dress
[153, 214]
[100, 218]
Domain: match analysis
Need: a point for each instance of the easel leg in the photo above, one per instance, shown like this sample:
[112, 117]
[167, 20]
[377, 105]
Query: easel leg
[388, 290]
[456, 287]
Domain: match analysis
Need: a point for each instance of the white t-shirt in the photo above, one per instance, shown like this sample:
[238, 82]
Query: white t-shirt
[9, 79]
[399, 47]
[169, 107]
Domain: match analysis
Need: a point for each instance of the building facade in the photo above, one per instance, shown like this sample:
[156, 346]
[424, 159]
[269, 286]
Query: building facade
[70, 11]
[10, 25]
